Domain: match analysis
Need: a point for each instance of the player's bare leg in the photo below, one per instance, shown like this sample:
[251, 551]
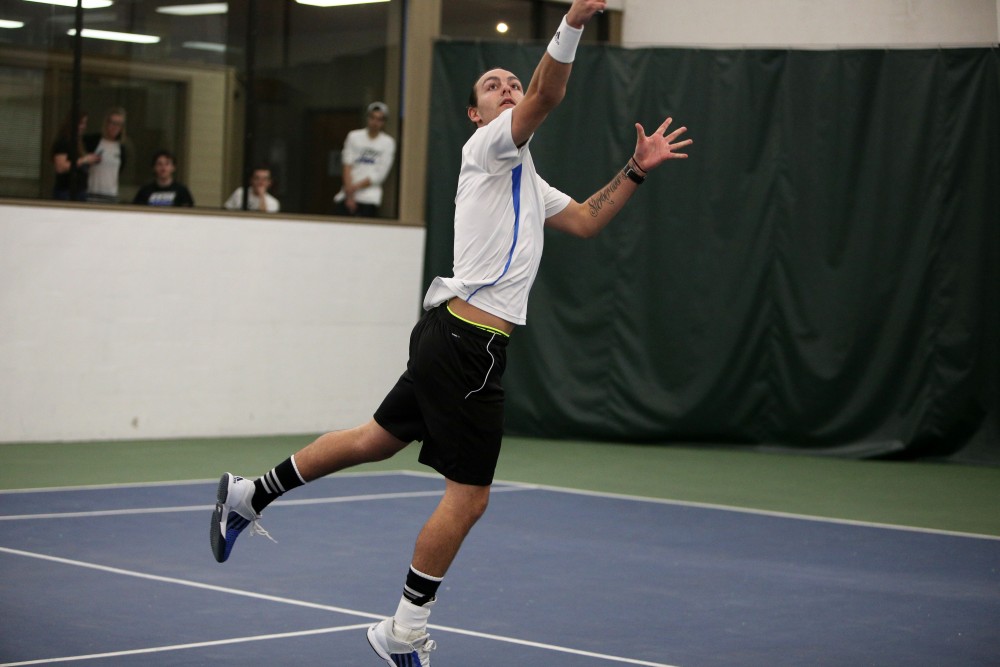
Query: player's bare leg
[240, 501]
[442, 535]
[404, 636]
[337, 450]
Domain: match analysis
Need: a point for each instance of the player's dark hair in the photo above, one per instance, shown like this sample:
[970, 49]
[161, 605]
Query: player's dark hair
[474, 95]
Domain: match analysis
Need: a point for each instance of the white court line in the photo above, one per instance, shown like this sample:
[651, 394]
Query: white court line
[188, 583]
[548, 647]
[205, 508]
[297, 603]
[511, 486]
[180, 647]
[750, 510]
[194, 482]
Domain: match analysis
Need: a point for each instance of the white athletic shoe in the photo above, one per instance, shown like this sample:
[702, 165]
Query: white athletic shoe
[232, 514]
[410, 651]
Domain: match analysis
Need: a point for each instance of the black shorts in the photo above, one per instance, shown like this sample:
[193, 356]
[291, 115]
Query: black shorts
[451, 397]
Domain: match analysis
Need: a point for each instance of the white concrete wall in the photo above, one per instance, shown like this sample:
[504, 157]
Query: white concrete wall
[148, 325]
[818, 24]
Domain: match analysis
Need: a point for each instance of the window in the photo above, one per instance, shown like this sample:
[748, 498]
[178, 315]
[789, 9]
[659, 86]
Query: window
[221, 85]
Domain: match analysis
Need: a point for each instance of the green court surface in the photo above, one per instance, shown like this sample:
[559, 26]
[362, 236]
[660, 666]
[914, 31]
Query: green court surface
[940, 496]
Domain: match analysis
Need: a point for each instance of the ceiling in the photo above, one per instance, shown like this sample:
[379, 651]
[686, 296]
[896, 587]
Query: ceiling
[294, 32]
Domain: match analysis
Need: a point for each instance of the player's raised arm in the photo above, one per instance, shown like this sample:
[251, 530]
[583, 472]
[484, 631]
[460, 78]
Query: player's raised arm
[548, 83]
[588, 218]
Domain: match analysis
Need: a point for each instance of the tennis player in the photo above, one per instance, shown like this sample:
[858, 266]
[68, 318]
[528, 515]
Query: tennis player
[450, 396]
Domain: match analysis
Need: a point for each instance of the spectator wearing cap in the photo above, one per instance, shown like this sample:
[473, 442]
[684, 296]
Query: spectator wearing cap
[367, 158]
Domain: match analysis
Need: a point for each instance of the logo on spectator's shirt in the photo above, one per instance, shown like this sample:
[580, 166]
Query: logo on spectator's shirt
[162, 198]
[369, 156]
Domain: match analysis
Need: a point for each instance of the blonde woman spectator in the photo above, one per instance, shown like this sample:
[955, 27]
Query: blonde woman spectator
[109, 149]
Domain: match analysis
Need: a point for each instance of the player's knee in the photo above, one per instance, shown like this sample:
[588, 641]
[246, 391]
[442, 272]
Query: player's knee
[374, 443]
[466, 503]
[478, 504]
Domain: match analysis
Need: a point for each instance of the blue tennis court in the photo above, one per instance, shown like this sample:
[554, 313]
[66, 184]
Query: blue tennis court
[123, 575]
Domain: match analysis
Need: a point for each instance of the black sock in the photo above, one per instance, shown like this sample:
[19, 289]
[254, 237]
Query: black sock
[420, 588]
[281, 478]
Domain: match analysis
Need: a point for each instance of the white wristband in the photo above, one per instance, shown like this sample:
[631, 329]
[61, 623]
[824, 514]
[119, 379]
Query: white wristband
[563, 45]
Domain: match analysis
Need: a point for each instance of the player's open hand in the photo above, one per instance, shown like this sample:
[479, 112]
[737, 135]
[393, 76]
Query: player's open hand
[583, 10]
[652, 150]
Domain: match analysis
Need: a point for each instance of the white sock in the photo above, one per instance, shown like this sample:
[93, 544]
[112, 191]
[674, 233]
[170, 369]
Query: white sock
[411, 619]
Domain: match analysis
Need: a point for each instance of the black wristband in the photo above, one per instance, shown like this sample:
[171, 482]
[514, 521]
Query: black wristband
[633, 175]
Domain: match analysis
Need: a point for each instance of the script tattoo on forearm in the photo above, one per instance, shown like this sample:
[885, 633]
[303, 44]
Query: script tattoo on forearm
[598, 201]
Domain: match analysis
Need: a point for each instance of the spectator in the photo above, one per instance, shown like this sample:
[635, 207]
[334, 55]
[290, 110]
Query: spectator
[367, 158]
[259, 198]
[108, 147]
[71, 161]
[164, 190]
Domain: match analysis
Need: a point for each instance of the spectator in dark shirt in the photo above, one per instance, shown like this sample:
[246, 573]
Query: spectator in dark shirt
[71, 161]
[164, 191]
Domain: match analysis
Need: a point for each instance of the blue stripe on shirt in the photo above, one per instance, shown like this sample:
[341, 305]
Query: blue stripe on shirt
[515, 178]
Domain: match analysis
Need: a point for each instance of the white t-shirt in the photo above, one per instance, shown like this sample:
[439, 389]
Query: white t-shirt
[368, 158]
[235, 201]
[500, 212]
[103, 178]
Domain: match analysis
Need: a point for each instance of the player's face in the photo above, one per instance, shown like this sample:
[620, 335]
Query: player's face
[497, 91]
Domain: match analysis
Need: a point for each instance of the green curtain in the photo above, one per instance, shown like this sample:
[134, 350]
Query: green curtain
[821, 274]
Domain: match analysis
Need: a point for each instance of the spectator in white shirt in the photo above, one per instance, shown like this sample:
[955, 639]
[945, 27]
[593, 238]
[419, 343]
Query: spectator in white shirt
[108, 150]
[259, 198]
[367, 158]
